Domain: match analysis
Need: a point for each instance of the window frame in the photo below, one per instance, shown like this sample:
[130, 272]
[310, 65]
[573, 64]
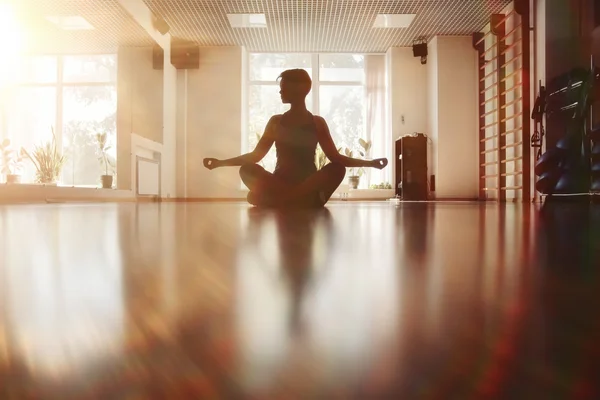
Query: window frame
[317, 83]
[59, 84]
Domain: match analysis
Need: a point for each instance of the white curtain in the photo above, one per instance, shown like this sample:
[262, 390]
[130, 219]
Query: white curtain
[377, 129]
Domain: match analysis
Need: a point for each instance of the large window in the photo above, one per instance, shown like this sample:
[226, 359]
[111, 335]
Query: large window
[338, 94]
[73, 96]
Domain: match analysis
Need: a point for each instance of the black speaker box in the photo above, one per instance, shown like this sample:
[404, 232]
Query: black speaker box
[420, 50]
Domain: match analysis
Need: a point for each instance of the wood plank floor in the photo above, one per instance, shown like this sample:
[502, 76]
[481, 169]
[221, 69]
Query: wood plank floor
[358, 301]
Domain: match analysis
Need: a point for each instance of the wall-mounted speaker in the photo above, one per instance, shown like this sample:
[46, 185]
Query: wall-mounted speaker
[160, 25]
[185, 54]
[420, 50]
[158, 57]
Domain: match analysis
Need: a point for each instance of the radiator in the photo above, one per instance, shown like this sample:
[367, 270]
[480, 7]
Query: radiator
[146, 156]
[148, 176]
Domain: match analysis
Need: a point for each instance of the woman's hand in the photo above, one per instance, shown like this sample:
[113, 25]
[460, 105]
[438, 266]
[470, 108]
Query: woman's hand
[212, 163]
[379, 163]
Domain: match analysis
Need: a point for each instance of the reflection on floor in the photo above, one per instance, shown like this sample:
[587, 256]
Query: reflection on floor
[361, 300]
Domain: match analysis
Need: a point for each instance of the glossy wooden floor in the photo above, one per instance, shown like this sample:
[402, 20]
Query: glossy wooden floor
[359, 301]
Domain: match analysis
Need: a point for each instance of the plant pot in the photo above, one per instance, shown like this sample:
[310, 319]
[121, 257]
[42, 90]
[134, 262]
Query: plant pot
[353, 181]
[12, 179]
[107, 181]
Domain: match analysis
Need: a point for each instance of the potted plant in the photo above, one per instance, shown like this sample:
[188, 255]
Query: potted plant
[385, 185]
[48, 161]
[11, 162]
[105, 160]
[321, 159]
[356, 173]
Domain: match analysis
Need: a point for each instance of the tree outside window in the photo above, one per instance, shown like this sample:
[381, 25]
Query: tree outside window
[89, 107]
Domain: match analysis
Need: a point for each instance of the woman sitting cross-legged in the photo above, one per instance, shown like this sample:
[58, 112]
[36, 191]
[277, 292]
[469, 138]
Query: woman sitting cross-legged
[295, 181]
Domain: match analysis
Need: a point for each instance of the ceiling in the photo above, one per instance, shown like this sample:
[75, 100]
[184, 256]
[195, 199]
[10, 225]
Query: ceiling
[321, 25]
[292, 25]
[114, 26]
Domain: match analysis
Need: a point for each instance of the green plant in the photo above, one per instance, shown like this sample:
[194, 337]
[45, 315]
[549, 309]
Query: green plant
[385, 185]
[102, 150]
[321, 159]
[48, 161]
[364, 151]
[12, 161]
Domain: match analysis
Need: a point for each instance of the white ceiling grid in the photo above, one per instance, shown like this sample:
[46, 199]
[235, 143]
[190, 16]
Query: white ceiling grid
[292, 25]
[321, 25]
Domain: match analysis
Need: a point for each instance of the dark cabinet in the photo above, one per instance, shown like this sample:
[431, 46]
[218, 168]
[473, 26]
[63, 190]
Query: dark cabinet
[411, 168]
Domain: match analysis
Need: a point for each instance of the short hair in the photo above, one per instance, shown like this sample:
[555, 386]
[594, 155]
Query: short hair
[297, 75]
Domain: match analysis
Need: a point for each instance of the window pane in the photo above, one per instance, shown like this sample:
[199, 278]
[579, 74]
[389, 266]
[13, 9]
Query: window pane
[343, 108]
[88, 110]
[268, 66]
[91, 68]
[31, 116]
[264, 102]
[342, 67]
[42, 69]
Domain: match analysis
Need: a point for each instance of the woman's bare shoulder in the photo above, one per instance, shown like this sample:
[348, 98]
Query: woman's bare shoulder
[319, 120]
[276, 118]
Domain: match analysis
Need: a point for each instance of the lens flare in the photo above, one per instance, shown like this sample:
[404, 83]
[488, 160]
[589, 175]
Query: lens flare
[11, 43]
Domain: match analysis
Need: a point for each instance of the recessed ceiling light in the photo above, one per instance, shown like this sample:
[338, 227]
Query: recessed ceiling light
[247, 20]
[393, 20]
[70, 23]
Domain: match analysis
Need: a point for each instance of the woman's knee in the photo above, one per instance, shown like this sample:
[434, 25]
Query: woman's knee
[246, 170]
[337, 171]
[249, 170]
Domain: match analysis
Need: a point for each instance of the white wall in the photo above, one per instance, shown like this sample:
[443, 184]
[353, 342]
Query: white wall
[169, 128]
[408, 92]
[139, 105]
[181, 139]
[455, 137]
[213, 119]
[407, 85]
[432, 105]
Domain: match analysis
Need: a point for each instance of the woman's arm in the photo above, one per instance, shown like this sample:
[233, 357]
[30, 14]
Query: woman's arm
[261, 150]
[328, 147]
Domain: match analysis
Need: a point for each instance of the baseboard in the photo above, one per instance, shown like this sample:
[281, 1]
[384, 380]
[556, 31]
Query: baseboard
[470, 199]
[236, 200]
[202, 200]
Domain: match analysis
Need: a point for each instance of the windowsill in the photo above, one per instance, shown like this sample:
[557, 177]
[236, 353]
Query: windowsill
[50, 185]
[367, 194]
[34, 193]
[45, 185]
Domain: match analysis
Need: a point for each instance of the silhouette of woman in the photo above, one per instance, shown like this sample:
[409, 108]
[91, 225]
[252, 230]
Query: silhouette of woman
[296, 133]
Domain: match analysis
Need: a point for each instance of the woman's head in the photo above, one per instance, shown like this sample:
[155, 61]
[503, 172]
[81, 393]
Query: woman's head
[294, 84]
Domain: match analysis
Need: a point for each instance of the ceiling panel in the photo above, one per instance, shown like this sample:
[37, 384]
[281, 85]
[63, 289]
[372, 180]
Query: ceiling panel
[113, 26]
[321, 25]
[292, 25]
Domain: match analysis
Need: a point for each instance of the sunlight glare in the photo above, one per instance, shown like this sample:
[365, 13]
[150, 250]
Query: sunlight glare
[11, 41]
